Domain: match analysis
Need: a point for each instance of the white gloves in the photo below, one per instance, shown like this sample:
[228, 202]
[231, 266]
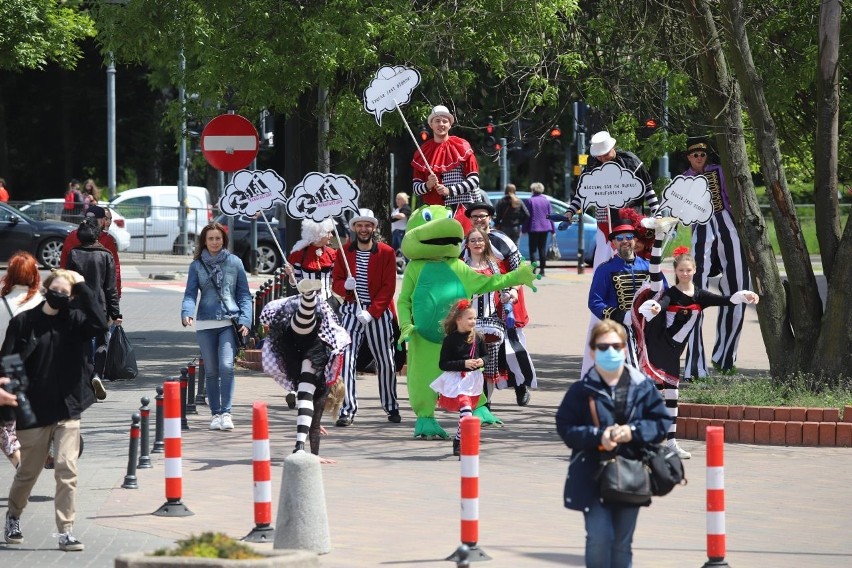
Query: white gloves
[628, 319]
[364, 317]
[649, 309]
[350, 283]
[745, 297]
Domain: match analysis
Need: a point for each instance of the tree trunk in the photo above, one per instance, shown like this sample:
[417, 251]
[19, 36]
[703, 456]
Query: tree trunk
[805, 307]
[723, 99]
[825, 150]
[372, 178]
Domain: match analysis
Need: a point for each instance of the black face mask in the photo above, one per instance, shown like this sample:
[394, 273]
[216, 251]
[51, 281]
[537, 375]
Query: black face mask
[56, 300]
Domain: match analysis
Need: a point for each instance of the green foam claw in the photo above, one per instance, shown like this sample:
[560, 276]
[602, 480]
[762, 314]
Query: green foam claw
[428, 427]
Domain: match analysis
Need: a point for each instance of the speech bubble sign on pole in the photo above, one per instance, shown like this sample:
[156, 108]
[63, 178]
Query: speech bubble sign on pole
[320, 196]
[688, 198]
[609, 185]
[252, 191]
[391, 87]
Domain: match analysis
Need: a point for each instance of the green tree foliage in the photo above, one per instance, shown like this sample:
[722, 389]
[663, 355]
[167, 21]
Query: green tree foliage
[269, 53]
[38, 32]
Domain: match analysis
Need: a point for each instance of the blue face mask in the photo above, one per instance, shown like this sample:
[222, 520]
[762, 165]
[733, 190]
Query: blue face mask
[609, 360]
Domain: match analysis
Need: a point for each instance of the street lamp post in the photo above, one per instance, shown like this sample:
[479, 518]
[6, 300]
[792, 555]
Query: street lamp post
[111, 125]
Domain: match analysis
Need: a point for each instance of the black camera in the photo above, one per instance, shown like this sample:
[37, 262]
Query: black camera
[13, 368]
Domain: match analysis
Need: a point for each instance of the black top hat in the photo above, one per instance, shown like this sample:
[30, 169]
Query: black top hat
[471, 207]
[694, 143]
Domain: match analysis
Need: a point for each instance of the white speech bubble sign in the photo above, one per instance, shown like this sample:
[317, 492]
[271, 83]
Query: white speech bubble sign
[320, 196]
[252, 191]
[609, 185]
[688, 198]
[391, 86]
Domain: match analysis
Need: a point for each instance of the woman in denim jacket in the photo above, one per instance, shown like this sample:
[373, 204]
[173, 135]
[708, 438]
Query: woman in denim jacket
[643, 420]
[220, 278]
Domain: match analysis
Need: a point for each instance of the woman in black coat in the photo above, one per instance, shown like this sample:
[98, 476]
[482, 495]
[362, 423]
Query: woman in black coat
[643, 420]
[96, 264]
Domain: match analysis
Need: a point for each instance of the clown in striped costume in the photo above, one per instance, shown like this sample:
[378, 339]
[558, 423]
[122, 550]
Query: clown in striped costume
[718, 252]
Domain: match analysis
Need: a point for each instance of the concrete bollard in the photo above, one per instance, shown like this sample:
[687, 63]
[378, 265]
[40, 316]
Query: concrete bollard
[145, 427]
[158, 423]
[302, 521]
[130, 478]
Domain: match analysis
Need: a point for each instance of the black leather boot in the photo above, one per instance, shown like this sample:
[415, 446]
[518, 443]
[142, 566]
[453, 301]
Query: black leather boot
[456, 447]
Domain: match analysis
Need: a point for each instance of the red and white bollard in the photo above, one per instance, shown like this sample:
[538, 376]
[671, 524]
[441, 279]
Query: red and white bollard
[262, 466]
[469, 551]
[715, 439]
[173, 507]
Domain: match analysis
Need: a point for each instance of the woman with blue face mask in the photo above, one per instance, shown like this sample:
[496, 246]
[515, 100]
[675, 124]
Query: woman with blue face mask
[630, 414]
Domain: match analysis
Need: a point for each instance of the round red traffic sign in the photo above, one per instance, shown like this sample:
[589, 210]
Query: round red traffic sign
[229, 142]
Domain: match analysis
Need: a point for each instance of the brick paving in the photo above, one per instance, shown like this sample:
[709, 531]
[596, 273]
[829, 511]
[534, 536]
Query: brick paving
[394, 501]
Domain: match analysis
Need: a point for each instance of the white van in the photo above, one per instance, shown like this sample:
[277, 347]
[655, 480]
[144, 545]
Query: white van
[151, 216]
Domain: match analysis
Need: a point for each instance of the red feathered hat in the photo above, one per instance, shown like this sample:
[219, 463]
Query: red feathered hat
[644, 236]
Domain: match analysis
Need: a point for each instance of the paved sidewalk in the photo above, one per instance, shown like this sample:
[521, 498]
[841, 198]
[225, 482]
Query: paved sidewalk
[394, 501]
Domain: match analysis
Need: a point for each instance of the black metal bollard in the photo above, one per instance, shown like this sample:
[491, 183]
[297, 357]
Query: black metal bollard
[158, 423]
[130, 478]
[190, 390]
[200, 398]
[145, 426]
[184, 379]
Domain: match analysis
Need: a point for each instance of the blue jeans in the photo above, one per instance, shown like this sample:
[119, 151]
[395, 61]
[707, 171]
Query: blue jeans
[218, 347]
[609, 534]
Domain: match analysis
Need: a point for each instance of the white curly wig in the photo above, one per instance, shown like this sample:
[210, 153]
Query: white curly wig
[312, 232]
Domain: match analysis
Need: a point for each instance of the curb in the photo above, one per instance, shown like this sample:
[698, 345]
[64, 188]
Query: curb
[768, 425]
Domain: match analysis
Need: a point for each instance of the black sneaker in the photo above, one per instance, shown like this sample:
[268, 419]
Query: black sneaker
[456, 447]
[344, 420]
[12, 532]
[68, 543]
[394, 417]
[522, 395]
[291, 398]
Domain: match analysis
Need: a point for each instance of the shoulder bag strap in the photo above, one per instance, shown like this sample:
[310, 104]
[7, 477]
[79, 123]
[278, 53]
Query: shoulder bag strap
[8, 307]
[593, 408]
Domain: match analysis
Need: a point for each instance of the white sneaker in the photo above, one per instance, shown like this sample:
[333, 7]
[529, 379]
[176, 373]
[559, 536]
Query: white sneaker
[661, 225]
[307, 285]
[68, 543]
[681, 453]
[227, 423]
[98, 386]
[216, 423]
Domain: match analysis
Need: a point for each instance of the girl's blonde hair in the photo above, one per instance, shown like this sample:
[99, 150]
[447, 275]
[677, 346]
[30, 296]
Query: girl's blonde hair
[450, 324]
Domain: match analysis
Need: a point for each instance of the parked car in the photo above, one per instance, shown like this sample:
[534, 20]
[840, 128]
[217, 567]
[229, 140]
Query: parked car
[42, 239]
[54, 208]
[567, 239]
[268, 255]
[151, 216]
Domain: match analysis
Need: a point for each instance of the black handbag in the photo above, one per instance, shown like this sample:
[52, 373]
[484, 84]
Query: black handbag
[621, 480]
[666, 469]
[241, 339]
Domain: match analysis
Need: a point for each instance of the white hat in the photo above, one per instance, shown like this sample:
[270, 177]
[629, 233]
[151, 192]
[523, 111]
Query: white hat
[363, 215]
[601, 144]
[440, 110]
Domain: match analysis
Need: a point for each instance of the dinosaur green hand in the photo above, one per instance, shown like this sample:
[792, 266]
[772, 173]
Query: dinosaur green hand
[528, 275]
[405, 331]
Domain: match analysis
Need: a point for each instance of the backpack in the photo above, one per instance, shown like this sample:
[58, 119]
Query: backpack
[666, 469]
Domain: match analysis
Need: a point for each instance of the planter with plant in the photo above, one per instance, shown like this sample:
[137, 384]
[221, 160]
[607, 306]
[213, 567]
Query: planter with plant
[216, 550]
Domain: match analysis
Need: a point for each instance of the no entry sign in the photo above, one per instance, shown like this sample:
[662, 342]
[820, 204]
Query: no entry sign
[229, 142]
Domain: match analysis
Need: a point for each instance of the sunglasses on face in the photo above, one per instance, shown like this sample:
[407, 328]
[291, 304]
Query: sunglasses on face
[624, 237]
[699, 154]
[485, 216]
[605, 346]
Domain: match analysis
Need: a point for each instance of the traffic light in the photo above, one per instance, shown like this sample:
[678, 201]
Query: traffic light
[555, 132]
[424, 132]
[649, 127]
[491, 143]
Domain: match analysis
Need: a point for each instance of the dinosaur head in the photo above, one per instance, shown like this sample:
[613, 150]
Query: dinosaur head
[432, 233]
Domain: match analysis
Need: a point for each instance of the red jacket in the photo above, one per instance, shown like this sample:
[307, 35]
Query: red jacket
[72, 242]
[381, 282]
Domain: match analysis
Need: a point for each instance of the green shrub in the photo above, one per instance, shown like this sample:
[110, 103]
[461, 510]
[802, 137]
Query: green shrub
[211, 545]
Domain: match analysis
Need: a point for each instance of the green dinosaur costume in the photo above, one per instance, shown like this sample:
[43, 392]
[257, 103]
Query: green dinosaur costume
[435, 278]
